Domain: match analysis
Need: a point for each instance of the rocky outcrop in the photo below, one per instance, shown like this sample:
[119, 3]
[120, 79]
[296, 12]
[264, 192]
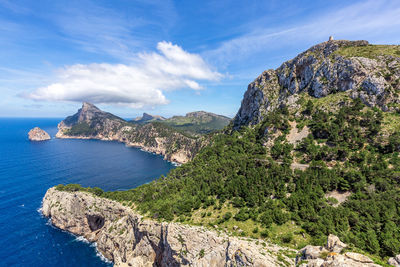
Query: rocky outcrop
[394, 261]
[127, 239]
[330, 256]
[37, 134]
[92, 123]
[321, 71]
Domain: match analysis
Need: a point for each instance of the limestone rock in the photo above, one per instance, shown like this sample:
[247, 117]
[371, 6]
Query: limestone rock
[329, 256]
[37, 134]
[319, 72]
[311, 252]
[394, 261]
[358, 257]
[334, 244]
[128, 239]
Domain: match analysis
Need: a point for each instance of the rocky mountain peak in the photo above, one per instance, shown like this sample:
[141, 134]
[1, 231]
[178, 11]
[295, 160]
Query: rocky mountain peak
[86, 106]
[368, 72]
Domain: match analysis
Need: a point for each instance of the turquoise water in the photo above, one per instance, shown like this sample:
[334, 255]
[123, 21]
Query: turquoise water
[28, 169]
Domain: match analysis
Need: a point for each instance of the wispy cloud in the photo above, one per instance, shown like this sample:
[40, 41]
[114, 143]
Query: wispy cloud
[137, 85]
[363, 20]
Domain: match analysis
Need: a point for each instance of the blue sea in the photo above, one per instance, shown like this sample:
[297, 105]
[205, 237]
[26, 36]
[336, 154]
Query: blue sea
[28, 169]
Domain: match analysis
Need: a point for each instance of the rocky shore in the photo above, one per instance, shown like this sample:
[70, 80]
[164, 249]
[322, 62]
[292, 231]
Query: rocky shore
[128, 239]
[37, 134]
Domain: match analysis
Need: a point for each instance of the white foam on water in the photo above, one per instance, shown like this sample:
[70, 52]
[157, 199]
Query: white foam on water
[40, 209]
[98, 254]
[82, 239]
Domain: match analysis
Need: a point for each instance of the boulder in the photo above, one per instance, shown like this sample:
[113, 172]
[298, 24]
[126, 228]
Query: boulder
[311, 252]
[328, 256]
[394, 261]
[334, 244]
[358, 257]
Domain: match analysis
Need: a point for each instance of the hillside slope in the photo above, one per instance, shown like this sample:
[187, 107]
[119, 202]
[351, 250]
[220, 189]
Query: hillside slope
[199, 122]
[313, 150]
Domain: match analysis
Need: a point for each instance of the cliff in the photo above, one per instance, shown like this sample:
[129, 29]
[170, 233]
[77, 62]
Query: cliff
[92, 123]
[128, 239]
[37, 134]
[368, 72]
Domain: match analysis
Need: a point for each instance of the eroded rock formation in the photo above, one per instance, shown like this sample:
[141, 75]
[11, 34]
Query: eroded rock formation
[128, 239]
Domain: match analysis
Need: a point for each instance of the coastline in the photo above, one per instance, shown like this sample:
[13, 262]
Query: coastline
[176, 160]
[128, 239]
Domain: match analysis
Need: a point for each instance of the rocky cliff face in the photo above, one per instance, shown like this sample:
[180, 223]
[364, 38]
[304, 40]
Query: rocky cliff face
[371, 73]
[92, 123]
[37, 134]
[128, 239]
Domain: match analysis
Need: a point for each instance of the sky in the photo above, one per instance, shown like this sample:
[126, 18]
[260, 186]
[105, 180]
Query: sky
[164, 57]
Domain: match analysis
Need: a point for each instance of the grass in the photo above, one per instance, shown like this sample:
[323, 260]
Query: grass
[328, 103]
[369, 51]
[288, 234]
[391, 122]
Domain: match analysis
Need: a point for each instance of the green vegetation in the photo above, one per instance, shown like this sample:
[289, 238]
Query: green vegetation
[244, 182]
[193, 123]
[369, 51]
[198, 124]
[81, 128]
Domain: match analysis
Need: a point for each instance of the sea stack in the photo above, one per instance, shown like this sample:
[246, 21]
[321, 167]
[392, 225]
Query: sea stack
[37, 134]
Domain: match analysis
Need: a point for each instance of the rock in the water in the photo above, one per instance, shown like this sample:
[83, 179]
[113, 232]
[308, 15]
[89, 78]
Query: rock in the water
[37, 134]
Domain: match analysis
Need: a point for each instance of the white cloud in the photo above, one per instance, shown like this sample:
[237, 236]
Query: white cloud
[137, 85]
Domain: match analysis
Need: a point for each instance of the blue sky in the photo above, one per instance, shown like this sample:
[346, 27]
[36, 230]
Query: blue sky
[163, 57]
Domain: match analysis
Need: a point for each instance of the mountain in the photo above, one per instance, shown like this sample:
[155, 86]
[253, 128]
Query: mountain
[193, 123]
[368, 72]
[199, 122]
[89, 121]
[147, 118]
[178, 139]
[313, 151]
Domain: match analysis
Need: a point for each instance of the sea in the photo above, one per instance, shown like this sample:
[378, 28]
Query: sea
[28, 169]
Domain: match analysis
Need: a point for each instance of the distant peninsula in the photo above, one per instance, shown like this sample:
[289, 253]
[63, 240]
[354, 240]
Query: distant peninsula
[178, 138]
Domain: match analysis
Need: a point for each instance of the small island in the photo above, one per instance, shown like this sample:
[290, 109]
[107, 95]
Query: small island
[37, 134]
